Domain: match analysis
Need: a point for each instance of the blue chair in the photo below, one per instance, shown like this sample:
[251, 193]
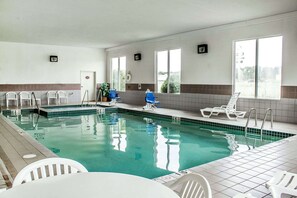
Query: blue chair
[113, 96]
[150, 100]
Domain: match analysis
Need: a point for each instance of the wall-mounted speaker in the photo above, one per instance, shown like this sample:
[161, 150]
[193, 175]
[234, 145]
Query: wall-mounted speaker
[202, 49]
[53, 58]
[137, 57]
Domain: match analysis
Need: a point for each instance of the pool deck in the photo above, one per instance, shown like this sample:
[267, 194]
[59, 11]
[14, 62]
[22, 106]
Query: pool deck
[245, 172]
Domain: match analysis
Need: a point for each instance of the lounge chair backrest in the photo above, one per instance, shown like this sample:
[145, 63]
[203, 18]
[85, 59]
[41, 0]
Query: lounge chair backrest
[232, 102]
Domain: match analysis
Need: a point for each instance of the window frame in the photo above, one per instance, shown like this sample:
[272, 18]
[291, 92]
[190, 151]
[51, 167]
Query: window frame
[256, 88]
[168, 68]
[118, 72]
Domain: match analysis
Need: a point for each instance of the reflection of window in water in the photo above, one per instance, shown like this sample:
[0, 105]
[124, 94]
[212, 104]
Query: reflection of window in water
[119, 135]
[167, 150]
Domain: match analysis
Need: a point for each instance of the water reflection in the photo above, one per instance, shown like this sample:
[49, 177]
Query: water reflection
[130, 144]
[167, 154]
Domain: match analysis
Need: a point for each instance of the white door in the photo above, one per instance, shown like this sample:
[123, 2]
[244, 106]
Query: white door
[88, 82]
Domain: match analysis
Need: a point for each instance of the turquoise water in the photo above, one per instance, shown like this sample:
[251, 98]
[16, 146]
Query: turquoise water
[119, 142]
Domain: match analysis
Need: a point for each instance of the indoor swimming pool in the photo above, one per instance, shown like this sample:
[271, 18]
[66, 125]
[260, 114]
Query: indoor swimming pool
[148, 146]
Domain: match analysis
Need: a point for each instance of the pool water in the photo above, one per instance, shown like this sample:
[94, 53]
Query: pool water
[125, 143]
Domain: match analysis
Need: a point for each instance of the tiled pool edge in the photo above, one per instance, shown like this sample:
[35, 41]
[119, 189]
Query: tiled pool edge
[12, 133]
[246, 172]
[226, 126]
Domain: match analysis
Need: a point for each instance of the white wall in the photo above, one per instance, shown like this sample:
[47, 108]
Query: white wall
[29, 63]
[216, 66]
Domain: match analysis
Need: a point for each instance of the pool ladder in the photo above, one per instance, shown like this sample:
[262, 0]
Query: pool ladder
[262, 126]
[246, 126]
[83, 100]
[271, 120]
[99, 95]
[36, 103]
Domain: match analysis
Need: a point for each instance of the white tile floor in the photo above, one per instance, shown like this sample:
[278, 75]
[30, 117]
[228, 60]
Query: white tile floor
[241, 173]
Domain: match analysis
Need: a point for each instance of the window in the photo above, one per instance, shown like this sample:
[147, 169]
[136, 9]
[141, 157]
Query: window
[168, 71]
[258, 64]
[118, 72]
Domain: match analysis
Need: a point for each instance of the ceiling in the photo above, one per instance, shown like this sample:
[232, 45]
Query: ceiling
[108, 23]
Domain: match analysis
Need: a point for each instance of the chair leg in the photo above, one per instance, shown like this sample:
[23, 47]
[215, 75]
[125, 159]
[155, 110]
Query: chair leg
[231, 118]
[275, 194]
[204, 115]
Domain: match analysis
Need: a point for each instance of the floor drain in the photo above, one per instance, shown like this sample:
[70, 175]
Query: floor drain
[29, 156]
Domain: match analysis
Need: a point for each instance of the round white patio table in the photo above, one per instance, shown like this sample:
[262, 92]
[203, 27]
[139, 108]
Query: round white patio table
[91, 185]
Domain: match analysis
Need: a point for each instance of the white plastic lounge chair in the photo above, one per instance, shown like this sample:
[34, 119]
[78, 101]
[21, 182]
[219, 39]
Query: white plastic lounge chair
[229, 109]
[47, 168]
[11, 96]
[25, 96]
[283, 182]
[52, 95]
[193, 186]
[62, 95]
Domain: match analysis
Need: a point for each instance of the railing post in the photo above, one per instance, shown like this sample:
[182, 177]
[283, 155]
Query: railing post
[36, 103]
[271, 120]
[86, 92]
[248, 120]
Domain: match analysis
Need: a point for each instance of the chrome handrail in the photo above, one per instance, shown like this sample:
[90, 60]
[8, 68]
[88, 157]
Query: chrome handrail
[36, 103]
[246, 126]
[86, 93]
[248, 120]
[97, 97]
[271, 121]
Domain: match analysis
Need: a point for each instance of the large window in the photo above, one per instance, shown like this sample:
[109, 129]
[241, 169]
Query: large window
[258, 64]
[118, 72]
[168, 71]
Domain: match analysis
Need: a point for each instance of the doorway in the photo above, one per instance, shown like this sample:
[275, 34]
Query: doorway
[88, 82]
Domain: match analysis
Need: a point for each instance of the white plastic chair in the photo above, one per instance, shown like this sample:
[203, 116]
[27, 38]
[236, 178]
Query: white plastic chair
[62, 95]
[283, 182]
[193, 186]
[25, 96]
[52, 95]
[47, 168]
[11, 96]
[229, 109]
